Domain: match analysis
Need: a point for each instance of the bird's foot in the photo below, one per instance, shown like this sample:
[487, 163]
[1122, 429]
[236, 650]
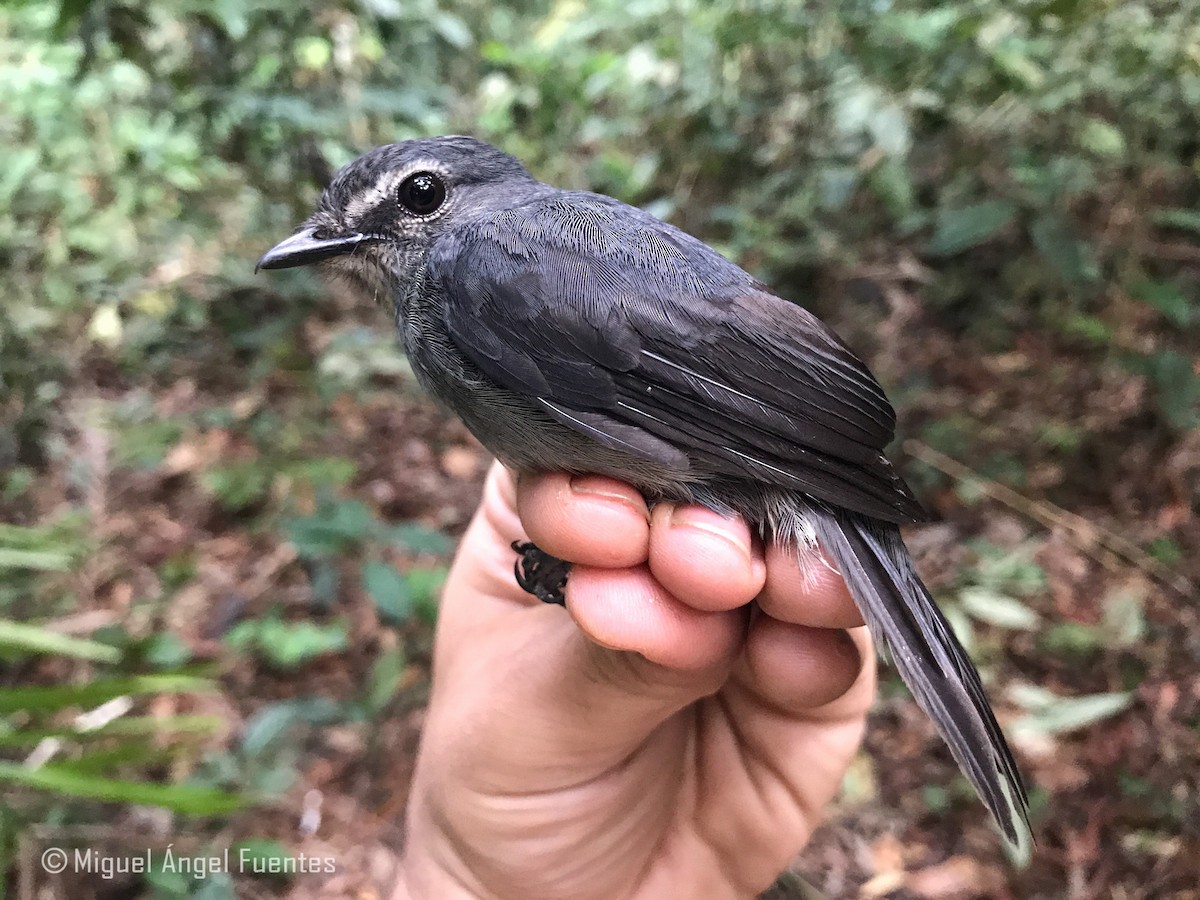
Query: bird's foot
[541, 574]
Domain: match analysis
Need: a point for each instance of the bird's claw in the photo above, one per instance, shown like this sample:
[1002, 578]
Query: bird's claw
[540, 574]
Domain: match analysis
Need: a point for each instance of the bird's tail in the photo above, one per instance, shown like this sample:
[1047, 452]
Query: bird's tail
[903, 617]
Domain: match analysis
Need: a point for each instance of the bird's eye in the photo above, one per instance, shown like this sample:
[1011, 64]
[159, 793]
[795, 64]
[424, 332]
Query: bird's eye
[422, 193]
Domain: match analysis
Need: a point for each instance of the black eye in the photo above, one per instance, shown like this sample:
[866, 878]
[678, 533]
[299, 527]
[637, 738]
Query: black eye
[422, 193]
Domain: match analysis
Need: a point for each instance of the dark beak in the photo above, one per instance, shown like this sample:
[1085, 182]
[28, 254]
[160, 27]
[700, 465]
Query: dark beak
[304, 248]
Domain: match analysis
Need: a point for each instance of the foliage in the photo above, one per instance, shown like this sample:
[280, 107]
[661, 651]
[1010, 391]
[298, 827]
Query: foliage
[288, 644]
[339, 529]
[79, 741]
[983, 139]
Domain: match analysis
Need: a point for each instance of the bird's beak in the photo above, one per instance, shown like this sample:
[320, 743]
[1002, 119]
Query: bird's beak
[304, 248]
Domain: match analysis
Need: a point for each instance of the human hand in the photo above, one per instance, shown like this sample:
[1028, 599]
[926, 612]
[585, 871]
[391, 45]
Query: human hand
[663, 737]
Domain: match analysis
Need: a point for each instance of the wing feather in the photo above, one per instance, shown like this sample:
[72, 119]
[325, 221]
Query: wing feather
[637, 335]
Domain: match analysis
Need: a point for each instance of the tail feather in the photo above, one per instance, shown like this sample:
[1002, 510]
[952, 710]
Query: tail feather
[903, 617]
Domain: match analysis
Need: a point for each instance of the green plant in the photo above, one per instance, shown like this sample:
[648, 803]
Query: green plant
[341, 528]
[84, 741]
[288, 645]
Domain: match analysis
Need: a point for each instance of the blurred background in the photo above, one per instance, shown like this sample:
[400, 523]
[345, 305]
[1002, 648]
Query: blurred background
[226, 509]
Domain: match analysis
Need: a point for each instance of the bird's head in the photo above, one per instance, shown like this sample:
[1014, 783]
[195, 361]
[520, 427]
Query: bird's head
[382, 212]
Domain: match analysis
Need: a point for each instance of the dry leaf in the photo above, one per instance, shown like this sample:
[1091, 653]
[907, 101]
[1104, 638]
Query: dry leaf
[957, 877]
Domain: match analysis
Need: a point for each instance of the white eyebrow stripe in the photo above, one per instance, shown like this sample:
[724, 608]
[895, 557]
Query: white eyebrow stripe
[367, 200]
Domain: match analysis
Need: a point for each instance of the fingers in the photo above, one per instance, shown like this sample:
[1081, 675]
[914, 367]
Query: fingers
[585, 519]
[804, 588]
[710, 559]
[628, 609]
[669, 586]
[796, 669]
[665, 586]
[693, 552]
[797, 703]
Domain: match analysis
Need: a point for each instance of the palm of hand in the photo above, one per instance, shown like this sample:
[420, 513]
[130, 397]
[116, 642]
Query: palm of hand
[665, 739]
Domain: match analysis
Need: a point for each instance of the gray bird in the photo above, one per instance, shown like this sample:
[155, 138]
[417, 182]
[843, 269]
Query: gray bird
[572, 332]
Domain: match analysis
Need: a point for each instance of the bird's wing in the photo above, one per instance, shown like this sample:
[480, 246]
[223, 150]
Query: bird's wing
[643, 338]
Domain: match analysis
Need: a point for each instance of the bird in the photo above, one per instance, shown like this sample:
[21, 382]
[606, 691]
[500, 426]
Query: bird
[572, 332]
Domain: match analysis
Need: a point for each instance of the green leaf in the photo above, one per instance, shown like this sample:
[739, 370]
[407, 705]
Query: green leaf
[1070, 639]
[168, 885]
[1166, 550]
[453, 30]
[419, 539]
[389, 590]
[1088, 328]
[336, 528]
[232, 14]
[313, 52]
[1125, 616]
[1009, 570]
[1058, 244]
[240, 484]
[324, 580]
[1031, 696]
[70, 12]
[1168, 299]
[267, 726]
[271, 724]
[64, 779]
[961, 625]
[1059, 715]
[927, 30]
[969, 226]
[998, 609]
[143, 754]
[893, 186]
[34, 639]
[1010, 57]
[1101, 138]
[215, 886]
[837, 186]
[47, 699]
[1177, 383]
[1184, 219]
[127, 726]
[57, 537]
[288, 644]
[425, 587]
[40, 560]
[385, 678]
[167, 651]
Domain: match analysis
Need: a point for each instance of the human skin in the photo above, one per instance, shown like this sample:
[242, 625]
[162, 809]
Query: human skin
[662, 737]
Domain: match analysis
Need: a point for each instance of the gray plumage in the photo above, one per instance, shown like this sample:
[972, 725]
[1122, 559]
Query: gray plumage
[572, 332]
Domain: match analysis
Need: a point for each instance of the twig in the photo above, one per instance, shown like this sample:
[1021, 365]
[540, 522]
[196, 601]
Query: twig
[1175, 252]
[1084, 535]
[264, 575]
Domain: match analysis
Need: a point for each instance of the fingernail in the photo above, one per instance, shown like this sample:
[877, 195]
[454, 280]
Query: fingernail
[712, 523]
[594, 486]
